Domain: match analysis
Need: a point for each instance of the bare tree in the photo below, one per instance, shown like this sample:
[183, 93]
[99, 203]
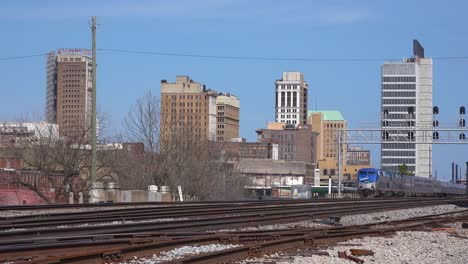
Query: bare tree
[142, 123]
[175, 155]
[60, 162]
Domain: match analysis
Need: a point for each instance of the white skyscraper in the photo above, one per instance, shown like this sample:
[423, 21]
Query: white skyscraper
[406, 111]
[291, 99]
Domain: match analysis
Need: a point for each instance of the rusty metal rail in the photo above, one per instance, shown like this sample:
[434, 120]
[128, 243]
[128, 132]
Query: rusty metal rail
[44, 242]
[273, 214]
[169, 212]
[254, 242]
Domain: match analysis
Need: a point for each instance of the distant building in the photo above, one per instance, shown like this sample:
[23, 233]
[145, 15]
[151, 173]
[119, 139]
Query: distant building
[358, 156]
[265, 173]
[69, 90]
[206, 113]
[235, 151]
[291, 99]
[12, 132]
[227, 117]
[406, 109]
[188, 104]
[327, 124]
[294, 143]
[356, 159]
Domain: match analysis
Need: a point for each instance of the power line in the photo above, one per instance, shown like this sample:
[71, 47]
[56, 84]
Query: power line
[23, 57]
[190, 55]
[243, 57]
[269, 58]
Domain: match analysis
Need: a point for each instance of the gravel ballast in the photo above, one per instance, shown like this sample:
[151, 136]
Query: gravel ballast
[11, 213]
[180, 252]
[362, 219]
[437, 247]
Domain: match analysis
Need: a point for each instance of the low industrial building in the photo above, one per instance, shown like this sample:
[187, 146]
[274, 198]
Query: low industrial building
[265, 174]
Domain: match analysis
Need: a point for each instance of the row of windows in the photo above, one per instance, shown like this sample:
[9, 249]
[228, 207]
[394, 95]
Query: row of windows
[288, 110]
[398, 94]
[182, 97]
[71, 101]
[286, 99]
[398, 146]
[288, 121]
[405, 86]
[74, 70]
[71, 59]
[399, 79]
[398, 123]
[71, 91]
[72, 86]
[398, 108]
[398, 160]
[396, 167]
[398, 153]
[187, 104]
[72, 106]
[72, 95]
[73, 111]
[335, 125]
[191, 117]
[72, 81]
[288, 86]
[73, 75]
[73, 116]
[187, 111]
[398, 101]
[404, 116]
[288, 116]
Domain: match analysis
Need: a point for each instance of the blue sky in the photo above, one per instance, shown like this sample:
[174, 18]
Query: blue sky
[293, 29]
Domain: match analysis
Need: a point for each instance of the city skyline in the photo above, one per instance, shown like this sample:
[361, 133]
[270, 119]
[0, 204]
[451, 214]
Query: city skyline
[326, 90]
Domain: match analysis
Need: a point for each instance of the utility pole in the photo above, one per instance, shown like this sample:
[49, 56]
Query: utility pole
[93, 115]
[339, 162]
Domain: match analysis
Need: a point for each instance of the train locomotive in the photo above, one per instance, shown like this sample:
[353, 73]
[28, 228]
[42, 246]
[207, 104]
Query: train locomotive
[374, 183]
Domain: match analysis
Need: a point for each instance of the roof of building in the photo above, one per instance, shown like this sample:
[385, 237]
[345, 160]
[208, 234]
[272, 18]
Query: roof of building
[269, 166]
[329, 115]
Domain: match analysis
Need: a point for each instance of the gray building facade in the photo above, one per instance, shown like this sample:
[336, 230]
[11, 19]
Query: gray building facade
[406, 110]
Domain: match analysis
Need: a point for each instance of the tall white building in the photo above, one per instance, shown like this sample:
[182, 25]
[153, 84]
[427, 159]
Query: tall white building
[291, 99]
[406, 111]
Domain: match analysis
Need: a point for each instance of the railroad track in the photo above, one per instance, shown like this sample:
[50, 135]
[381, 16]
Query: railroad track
[252, 242]
[112, 204]
[50, 241]
[197, 219]
[138, 214]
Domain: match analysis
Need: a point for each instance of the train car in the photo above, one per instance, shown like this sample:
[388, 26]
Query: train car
[374, 182]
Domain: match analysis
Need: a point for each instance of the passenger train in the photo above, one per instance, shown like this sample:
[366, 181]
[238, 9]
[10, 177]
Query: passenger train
[374, 182]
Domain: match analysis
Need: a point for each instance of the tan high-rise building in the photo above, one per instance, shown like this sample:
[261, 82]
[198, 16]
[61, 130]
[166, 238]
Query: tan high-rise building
[327, 124]
[69, 90]
[188, 104]
[228, 117]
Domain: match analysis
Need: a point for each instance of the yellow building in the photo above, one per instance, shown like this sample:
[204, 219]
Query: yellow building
[327, 124]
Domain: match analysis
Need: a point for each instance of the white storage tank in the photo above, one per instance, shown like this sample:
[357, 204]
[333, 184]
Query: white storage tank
[153, 188]
[97, 194]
